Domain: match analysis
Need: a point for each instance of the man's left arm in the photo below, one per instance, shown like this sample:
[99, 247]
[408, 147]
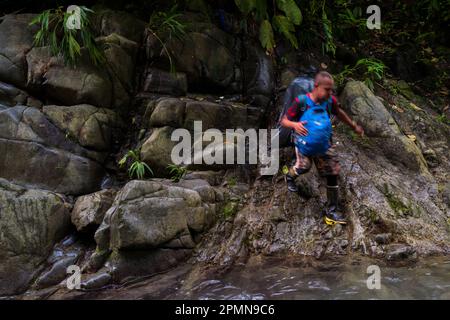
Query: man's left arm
[343, 116]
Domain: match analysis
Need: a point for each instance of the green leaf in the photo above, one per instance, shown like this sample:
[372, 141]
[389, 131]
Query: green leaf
[261, 10]
[285, 27]
[266, 36]
[292, 11]
[148, 168]
[246, 6]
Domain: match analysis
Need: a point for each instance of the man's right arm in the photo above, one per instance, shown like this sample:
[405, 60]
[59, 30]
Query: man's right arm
[291, 114]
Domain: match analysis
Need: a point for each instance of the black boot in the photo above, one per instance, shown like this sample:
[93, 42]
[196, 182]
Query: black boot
[332, 213]
[290, 180]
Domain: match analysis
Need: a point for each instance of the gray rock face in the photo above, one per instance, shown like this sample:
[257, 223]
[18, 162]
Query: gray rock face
[107, 86]
[89, 210]
[31, 221]
[33, 151]
[150, 214]
[379, 125]
[183, 112]
[122, 23]
[164, 82]
[208, 56]
[69, 86]
[16, 37]
[90, 126]
[166, 114]
[157, 149]
[11, 96]
[258, 76]
[129, 264]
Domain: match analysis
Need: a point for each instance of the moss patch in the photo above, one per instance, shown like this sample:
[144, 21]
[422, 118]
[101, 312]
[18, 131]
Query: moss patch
[396, 204]
[230, 209]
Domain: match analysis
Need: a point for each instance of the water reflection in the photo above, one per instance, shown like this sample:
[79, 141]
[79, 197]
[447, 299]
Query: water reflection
[429, 279]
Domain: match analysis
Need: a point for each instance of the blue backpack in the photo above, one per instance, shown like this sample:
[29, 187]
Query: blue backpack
[319, 127]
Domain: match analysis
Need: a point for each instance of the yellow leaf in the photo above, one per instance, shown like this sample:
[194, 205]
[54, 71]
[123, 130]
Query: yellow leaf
[412, 105]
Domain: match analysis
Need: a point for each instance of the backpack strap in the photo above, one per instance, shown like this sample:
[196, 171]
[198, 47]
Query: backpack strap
[329, 106]
[301, 103]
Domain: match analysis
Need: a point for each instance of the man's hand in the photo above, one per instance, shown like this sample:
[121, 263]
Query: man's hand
[299, 128]
[359, 130]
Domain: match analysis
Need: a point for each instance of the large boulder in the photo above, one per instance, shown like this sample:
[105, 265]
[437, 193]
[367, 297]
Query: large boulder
[31, 221]
[89, 210]
[84, 84]
[183, 112]
[108, 21]
[33, 151]
[156, 150]
[154, 222]
[90, 126]
[16, 37]
[159, 81]
[258, 75]
[166, 114]
[380, 127]
[107, 86]
[151, 214]
[11, 96]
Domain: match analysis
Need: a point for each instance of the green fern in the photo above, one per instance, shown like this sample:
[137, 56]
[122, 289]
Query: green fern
[290, 8]
[137, 168]
[177, 172]
[372, 70]
[64, 41]
[166, 25]
[266, 36]
[328, 46]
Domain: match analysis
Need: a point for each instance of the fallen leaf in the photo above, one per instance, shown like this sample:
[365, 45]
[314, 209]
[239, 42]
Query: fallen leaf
[411, 137]
[394, 107]
[412, 105]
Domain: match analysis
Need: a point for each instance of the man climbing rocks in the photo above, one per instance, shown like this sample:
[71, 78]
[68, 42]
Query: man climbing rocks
[309, 118]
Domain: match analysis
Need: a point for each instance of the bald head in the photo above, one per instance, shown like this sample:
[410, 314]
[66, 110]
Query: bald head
[323, 77]
[323, 86]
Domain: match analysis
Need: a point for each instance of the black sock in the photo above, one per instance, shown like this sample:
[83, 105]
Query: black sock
[332, 181]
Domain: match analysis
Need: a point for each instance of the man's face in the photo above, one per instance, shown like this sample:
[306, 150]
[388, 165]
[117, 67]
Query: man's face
[324, 89]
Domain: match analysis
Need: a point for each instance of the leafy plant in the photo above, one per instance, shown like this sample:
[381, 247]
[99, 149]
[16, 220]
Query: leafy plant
[66, 41]
[328, 45]
[371, 69]
[443, 119]
[230, 209]
[374, 70]
[286, 15]
[232, 181]
[177, 172]
[166, 25]
[351, 19]
[137, 168]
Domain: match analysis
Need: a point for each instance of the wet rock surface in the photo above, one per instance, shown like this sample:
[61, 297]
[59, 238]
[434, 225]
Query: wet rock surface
[31, 221]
